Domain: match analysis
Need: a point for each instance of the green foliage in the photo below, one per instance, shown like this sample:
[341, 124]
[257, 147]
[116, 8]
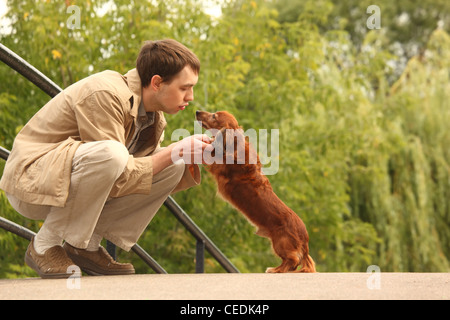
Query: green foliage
[364, 157]
[408, 23]
[12, 247]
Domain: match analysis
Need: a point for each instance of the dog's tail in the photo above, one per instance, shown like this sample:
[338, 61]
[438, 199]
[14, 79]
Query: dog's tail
[308, 265]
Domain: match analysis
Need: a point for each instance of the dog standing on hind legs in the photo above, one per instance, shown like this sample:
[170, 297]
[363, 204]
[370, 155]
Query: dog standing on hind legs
[243, 185]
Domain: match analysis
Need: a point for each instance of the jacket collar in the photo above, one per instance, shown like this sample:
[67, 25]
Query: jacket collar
[134, 83]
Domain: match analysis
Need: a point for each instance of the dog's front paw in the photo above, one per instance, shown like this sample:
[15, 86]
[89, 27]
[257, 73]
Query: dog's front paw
[271, 270]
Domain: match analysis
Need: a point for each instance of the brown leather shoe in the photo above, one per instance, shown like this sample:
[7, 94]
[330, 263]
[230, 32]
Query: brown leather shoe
[97, 263]
[53, 264]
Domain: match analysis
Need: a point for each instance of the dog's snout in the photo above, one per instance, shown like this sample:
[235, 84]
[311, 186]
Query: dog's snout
[199, 114]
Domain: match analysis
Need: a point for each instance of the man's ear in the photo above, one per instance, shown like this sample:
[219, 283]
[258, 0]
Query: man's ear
[156, 82]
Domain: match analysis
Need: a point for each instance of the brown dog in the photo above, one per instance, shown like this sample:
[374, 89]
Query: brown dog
[245, 187]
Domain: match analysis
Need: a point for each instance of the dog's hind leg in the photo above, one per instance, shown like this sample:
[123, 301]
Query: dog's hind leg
[308, 265]
[284, 249]
[289, 264]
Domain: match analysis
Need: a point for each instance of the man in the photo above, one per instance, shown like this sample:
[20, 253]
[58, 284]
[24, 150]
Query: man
[90, 164]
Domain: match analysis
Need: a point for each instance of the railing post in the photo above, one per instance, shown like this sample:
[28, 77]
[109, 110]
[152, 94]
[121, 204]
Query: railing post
[200, 256]
[190, 225]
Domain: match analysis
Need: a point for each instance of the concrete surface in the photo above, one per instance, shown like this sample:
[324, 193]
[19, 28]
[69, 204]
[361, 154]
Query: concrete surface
[235, 287]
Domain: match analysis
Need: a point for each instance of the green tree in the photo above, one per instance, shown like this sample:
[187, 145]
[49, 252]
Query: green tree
[408, 23]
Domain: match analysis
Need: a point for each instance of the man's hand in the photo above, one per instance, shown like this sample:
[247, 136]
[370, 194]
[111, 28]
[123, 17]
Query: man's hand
[192, 149]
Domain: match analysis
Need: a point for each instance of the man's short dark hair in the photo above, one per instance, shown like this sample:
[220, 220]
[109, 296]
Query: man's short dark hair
[165, 58]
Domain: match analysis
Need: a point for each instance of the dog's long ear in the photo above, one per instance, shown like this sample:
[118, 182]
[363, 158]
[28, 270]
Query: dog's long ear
[238, 143]
[234, 146]
[230, 144]
[241, 151]
[219, 142]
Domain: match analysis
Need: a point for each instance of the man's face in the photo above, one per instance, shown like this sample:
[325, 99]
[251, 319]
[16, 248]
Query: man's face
[175, 96]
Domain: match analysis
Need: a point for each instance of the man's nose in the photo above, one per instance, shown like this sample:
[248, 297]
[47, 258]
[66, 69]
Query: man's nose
[190, 96]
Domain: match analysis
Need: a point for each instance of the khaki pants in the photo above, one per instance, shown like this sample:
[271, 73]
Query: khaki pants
[95, 168]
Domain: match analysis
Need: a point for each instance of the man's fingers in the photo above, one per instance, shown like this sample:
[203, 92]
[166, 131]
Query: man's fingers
[202, 137]
[208, 147]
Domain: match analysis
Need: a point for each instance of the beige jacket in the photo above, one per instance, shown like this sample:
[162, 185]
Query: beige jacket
[103, 106]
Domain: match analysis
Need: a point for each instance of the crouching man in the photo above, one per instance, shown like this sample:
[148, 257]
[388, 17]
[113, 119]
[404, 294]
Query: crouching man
[90, 163]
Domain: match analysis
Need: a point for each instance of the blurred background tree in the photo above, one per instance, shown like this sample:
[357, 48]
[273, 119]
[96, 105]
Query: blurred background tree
[408, 23]
[363, 118]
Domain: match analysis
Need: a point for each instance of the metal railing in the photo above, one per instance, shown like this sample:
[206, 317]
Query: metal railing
[203, 242]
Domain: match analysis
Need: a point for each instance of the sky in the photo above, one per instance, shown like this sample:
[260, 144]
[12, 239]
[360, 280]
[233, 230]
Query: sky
[2, 8]
[4, 23]
[211, 7]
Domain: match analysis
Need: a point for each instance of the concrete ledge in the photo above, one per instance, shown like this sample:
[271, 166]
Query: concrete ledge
[354, 286]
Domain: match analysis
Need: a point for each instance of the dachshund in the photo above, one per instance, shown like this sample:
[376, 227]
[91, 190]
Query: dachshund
[241, 182]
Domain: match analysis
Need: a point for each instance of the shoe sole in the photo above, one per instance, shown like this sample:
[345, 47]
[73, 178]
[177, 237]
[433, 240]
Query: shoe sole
[95, 273]
[93, 270]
